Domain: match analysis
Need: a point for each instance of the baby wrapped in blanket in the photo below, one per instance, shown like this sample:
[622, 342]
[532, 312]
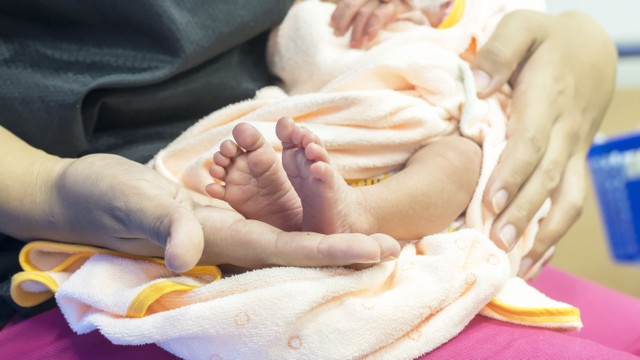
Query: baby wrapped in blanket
[367, 114]
[396, 106]
[425, 195]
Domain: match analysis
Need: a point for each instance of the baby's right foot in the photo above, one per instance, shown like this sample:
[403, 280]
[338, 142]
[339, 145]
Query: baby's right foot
[255, 183]
[329, 205]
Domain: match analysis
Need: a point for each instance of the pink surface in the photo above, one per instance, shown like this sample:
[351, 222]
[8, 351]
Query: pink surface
[47, 336]
[612, 331]
[488, 339]
[611, 327]
[610, 318]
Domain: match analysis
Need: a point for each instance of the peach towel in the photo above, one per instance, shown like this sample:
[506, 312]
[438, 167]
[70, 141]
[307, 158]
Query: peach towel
[408, 88]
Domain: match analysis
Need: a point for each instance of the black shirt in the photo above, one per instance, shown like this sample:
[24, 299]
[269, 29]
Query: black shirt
[124, 77]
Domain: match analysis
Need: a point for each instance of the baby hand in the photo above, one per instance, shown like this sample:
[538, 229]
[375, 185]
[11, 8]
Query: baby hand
[365, 18]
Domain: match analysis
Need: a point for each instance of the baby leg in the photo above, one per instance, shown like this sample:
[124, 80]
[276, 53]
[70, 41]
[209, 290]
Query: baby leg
[255, 183]
[429, 193]
[426, 196]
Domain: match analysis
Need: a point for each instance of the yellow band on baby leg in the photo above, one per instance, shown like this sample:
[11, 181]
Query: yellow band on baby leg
[369, 181]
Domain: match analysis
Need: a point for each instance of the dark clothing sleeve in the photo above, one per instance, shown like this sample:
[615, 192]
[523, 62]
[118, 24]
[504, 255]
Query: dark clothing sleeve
[126, 76]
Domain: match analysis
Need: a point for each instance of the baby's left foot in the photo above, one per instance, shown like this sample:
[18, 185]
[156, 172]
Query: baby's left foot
[255, 183]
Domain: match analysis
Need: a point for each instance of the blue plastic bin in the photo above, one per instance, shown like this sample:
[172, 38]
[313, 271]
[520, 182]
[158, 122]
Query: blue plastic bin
[615, 170]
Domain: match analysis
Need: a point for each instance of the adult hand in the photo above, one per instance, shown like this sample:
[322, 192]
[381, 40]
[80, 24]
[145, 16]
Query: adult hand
[109, 201]
[562, 70]
[365, 17]
[113, 202]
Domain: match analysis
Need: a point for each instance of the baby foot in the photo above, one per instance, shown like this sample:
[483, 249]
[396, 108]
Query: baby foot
[329, 205]
[255, 183]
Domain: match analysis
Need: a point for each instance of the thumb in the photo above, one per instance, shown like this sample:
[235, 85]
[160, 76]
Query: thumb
[515, 36]
[184, 239]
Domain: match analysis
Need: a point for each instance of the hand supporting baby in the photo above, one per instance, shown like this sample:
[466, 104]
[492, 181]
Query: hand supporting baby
[559, 101]
[555, 116]
[109, 201]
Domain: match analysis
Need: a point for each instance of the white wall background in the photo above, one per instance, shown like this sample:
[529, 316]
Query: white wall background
[621, 19]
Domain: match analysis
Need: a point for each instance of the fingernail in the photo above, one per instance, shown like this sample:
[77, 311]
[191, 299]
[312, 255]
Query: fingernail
[389, 248]
[367, 261]
[499, 201]
[483, 80]
[508, 236]
[167, 246]
[168, 260]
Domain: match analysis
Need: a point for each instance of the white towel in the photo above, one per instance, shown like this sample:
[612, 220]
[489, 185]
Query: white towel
[396, 310]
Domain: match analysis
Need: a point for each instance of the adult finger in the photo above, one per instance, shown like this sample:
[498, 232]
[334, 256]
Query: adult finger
[185, 241]
[528, 132]
[517, 34]
[176, 227]
[234, 240]
[343, 15]
[567, 203]
[546, 177]
[312, 249]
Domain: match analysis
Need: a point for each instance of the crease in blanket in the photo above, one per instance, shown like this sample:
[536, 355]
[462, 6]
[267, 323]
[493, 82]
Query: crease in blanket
[410, 86]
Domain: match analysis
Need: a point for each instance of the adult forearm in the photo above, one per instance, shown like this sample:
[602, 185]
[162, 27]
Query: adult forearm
[26, 178]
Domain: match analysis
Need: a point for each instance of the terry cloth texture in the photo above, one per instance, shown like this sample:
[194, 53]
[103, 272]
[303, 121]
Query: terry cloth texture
[604, 337]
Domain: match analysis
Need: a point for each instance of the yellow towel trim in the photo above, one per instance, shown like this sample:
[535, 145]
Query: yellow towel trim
[205, 270]
[535, 315]
[26, 298]
[80, 252]
[77, 252]
[70, 261]
[140, 304]
[454, 16]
